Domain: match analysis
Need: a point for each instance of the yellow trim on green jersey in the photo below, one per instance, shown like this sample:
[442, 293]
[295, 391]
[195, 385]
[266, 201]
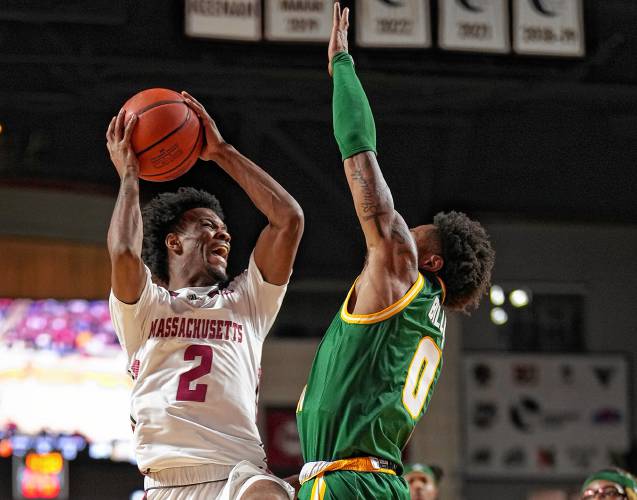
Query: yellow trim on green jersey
[299, 405]
[388, 312]
[318, 489]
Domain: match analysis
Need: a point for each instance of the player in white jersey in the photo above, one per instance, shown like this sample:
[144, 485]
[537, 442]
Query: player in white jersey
[194, 349]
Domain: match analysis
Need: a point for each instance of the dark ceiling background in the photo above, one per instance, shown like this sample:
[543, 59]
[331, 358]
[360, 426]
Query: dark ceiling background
[503, 137]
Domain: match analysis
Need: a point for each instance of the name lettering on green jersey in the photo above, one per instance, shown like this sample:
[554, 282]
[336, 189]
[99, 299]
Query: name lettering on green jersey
[437, 316]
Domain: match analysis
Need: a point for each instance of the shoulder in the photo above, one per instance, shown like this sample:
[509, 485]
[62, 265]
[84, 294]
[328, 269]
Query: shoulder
[151, 293]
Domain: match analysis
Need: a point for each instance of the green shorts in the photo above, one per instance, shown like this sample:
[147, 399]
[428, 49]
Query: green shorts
[349, 485]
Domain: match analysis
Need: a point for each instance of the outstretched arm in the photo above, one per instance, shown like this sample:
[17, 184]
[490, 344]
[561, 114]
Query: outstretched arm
[276, 247]
[125, 232]
[391, 260]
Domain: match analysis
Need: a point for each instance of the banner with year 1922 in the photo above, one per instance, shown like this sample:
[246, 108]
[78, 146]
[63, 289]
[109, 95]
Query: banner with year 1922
[393, 23]
[225, 20]
[548, 27]
[298, 20]
[474, 25]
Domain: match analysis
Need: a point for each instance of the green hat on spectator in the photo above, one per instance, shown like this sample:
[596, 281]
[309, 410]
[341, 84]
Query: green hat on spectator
[425, 469]
[617, 476]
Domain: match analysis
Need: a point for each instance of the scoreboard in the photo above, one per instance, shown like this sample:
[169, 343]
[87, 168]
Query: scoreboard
[40, 476]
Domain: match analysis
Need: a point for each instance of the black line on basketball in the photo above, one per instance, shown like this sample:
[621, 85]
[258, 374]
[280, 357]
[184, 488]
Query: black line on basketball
[166, 136]
[200, 134]
[158, 103]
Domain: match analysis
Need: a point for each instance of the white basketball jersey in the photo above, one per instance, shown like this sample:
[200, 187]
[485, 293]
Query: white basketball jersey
[195, 355]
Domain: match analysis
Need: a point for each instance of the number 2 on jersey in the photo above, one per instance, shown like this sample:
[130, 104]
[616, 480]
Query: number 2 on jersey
[184, 392]
[419, 378]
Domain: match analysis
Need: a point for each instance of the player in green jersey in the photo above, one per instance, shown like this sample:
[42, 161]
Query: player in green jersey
[379, 360]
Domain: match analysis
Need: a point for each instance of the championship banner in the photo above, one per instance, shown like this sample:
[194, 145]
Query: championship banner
[223, 19]
[298, 20]
[548, 417]
[393, 23]
[548, 27]
[474, 25]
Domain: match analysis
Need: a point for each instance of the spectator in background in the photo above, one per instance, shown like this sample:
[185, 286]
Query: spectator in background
[610, 484]
[423, 481]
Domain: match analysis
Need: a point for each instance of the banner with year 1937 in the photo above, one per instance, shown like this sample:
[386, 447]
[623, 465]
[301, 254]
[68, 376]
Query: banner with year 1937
[227, 20]
[474, 25]
[298, 20]
[548, 27]
[393, 23]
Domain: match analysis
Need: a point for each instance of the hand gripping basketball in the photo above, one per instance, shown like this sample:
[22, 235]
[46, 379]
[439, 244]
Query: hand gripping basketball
[213, 141]
[118, 143]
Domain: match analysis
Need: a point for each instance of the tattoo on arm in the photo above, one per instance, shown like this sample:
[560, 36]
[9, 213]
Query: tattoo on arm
[399, 232]
[402, 236]
[376, 217]
[372, 199]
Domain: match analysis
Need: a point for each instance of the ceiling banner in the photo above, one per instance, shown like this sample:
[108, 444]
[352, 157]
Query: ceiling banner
[474, 25]
[225, 20]
[298, 20]
[393, 23]
[548, 27]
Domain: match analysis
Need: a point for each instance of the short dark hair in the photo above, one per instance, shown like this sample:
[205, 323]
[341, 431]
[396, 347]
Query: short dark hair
[468, 260]
[162, 216]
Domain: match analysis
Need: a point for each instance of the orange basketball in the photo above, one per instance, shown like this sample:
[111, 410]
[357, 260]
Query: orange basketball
[167, 137]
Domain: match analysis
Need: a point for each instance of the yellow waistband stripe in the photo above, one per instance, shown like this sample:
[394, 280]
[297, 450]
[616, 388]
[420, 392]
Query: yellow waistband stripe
[358, 464]
[388, 312]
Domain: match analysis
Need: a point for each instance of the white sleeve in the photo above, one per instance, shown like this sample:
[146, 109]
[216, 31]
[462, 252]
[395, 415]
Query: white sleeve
[129, 320]
[263, 299]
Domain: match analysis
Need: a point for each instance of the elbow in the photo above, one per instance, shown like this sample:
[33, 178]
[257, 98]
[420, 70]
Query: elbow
[293, 220]
[122, 253]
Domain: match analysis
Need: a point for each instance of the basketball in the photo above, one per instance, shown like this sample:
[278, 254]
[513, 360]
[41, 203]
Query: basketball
[168, 136]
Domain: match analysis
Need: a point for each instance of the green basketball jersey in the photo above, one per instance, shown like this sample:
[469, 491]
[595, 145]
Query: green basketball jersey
[372, 378]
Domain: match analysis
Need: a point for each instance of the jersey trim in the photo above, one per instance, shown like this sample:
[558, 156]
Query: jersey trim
[318, 489]
[388, 312]
[312, 470]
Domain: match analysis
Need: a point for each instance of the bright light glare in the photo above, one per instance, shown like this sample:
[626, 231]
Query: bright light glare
[519, 298]
[499, 316]
[497, 295]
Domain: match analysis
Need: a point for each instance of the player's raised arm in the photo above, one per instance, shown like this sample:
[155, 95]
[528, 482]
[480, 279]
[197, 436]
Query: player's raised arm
[355, 134]
[125, 232]
[276, 247]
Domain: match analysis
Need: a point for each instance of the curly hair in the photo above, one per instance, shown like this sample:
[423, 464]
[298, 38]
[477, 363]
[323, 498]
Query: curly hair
[468, 260]
[162, 216]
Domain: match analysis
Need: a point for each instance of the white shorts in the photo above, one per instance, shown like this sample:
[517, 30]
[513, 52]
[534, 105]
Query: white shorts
[172, 485]
[191, 492]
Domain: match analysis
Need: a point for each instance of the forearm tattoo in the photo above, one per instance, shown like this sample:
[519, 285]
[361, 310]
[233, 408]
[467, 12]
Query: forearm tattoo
[371, 204]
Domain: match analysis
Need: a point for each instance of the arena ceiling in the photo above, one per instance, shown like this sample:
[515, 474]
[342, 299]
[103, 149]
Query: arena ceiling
[506, 136]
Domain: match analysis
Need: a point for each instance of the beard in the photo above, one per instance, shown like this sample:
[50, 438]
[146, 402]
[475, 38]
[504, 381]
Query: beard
[216, 274]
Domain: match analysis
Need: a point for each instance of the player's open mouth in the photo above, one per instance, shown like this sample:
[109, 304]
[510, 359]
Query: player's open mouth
[221, 251]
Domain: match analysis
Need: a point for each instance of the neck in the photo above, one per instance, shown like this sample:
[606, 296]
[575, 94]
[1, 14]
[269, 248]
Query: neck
[183, 280]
